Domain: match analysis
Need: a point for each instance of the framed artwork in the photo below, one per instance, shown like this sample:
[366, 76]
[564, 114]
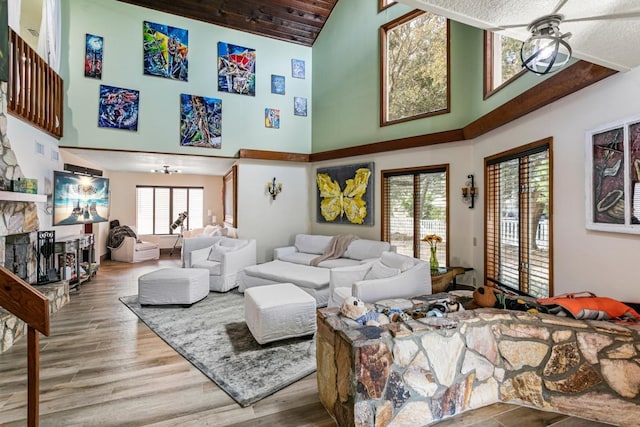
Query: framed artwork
[345, 194]
[236, 69]
[272, 118]
[118, 108]
[93, 56]
[297, 68]
[612, 177]
[277, 84]
[299, 106]
[200, 121]
[165, 51]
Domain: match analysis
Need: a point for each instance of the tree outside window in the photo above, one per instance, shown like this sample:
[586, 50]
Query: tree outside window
[502, 62]
[414, 67]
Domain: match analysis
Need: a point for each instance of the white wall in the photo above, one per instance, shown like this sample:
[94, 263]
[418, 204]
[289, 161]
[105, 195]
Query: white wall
[601, 262]
[273, 223]
[457, 155]
[123, 195]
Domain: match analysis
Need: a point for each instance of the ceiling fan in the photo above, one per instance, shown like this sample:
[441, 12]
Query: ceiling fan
[166, 170]
[547, 49]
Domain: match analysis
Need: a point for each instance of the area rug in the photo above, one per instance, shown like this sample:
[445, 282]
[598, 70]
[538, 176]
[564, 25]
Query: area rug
[214, 337]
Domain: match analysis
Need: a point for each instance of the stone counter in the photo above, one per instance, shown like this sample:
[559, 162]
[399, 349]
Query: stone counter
[416, 372]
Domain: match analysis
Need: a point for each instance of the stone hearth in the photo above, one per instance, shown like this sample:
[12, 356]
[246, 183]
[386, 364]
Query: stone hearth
[416, 372]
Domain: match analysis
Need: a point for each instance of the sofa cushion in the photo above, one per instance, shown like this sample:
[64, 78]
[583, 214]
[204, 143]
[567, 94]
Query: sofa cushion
[212, 266]
[280, 271]
[218, 250]
[394, 260]
[145, 246]
[380, 271]
[361, 249]
[338, 262]
[232, 243]
[298, 258]
[311, 243]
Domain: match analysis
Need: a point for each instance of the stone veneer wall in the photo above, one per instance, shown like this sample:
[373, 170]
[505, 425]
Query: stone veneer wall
[12, 328]
[414, 373]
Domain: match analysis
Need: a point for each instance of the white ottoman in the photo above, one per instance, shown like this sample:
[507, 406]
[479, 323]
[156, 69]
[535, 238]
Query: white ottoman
[279, 311]
[183, 286]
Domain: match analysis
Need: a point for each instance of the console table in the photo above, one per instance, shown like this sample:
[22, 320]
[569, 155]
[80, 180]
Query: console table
[441, 279]
[76, 258]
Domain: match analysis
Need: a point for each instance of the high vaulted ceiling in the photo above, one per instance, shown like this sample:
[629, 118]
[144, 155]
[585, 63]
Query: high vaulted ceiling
[604, 32]
[296, 21]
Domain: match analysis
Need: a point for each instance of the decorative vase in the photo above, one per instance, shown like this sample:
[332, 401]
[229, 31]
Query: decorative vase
[434, 259]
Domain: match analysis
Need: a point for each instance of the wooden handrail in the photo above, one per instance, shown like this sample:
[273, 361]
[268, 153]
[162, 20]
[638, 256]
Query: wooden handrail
[29, 305]
[35, 89]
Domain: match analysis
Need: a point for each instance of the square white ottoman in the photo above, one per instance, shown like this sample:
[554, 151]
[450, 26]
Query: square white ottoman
[183, 286]
[279, 311]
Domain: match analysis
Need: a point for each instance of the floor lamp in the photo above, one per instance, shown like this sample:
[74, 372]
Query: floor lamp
[179, 222]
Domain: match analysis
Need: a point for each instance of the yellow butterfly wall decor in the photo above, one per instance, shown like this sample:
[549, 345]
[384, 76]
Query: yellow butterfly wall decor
[335, 204]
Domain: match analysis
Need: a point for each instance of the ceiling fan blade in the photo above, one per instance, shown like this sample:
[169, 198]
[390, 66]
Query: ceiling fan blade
[559, 6]
[505, 27]
[621, 15]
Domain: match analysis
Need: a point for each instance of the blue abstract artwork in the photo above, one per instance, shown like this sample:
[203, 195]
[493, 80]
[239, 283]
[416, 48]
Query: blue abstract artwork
[118, 108]
[200, 121]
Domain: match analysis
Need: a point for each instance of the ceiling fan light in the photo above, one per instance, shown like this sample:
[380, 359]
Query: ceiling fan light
[546, 50]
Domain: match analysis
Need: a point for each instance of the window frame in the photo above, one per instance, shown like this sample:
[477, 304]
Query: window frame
[384, 121]
[523, 217]
[417, 238]
[230, 197]
[171, 188]
[488, 88]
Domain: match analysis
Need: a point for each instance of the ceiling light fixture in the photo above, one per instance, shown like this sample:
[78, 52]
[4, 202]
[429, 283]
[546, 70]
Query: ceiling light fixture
[546, 50]
[166, 170]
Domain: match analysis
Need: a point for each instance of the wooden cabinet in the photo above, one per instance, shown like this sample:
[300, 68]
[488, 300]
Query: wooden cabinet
[75, 258]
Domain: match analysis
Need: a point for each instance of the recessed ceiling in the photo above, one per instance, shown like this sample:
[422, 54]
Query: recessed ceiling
[124, 161]
[296, 21]
[606, 33]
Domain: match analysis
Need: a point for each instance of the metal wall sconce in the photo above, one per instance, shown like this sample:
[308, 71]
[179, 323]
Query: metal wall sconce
[274, 189]
[469, 191]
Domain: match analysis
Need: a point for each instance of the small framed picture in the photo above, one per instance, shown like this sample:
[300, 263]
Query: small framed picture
[297, 68]
[272, 118]
[277, 84]
[299, 106]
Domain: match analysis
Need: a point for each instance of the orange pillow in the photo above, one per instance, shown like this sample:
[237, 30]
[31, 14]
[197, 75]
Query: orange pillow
[590, 306]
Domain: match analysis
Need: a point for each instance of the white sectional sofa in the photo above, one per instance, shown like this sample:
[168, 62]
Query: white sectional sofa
[292, 264]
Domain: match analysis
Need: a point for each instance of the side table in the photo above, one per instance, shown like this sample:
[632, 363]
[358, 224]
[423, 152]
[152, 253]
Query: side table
[441, 279]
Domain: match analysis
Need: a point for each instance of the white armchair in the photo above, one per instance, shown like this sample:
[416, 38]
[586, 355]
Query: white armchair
[224, 259]
[134, 249]
[392, 276]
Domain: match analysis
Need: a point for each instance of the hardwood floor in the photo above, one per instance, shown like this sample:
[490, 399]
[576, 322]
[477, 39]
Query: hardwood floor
[101, 366]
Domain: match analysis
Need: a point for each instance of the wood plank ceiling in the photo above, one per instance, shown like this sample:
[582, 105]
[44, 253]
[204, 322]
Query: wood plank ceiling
[296, 21]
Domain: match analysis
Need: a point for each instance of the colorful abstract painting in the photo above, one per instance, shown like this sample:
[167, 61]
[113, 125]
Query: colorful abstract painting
[272, 118]
[93, 56]
[277, 84]
[236, 69]
[297, 68]
[299, 106]
[200, 121]
[118, 108]
[345, 194]
[165, 51]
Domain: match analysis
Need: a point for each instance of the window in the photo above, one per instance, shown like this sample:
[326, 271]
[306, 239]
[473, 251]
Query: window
[415, 203]
[158, 207]
[518, 206]
[414, 57]
[383, 4]
[502, 62]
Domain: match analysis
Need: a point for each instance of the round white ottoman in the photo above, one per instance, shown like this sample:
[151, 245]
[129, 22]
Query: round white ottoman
[183, 286]
[279, 311]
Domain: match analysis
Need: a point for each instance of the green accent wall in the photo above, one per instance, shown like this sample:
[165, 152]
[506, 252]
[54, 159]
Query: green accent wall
[346, 89]
[243, 123]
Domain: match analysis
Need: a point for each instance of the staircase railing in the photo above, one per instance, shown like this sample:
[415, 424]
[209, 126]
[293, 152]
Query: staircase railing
[29, 305]
[35, 89]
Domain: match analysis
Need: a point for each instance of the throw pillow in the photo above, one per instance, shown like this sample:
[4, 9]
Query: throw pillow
[362, 249]
[381, 271]
[199, 255]
[218, 250]
[394, 260]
